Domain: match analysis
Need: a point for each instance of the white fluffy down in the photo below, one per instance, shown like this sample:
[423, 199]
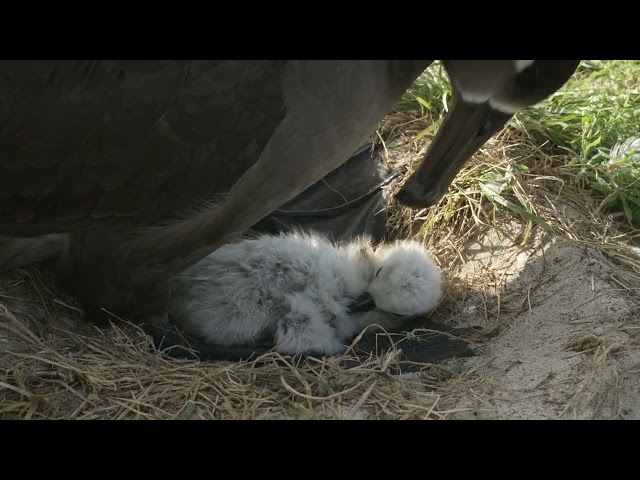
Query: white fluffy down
[294, 290]
[407, 281]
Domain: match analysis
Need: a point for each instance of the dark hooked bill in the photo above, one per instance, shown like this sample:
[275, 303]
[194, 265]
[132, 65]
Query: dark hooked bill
[466, 127]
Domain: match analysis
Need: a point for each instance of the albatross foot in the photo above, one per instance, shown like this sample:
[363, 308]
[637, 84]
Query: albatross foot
[429, 342]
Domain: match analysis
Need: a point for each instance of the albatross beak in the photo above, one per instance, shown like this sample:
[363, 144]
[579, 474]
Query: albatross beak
[363, 303]
[466, 127]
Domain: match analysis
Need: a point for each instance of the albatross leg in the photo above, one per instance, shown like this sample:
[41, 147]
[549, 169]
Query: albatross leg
[17, 252]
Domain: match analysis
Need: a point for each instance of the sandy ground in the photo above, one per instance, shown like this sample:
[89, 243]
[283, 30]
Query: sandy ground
[565, 343]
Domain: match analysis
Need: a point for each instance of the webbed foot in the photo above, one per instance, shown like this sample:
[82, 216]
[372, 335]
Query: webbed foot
[431, 342]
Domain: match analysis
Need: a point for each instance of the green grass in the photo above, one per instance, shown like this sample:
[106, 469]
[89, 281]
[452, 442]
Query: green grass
[430, 92]
[596, 109]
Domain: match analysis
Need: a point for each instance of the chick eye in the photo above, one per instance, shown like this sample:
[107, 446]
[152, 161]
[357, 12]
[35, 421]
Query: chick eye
[378, 272]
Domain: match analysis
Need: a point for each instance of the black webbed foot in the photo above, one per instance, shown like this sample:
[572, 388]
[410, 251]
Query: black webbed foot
[430, 343]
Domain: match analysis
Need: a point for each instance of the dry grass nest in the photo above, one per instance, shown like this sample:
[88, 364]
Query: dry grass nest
[54, 365]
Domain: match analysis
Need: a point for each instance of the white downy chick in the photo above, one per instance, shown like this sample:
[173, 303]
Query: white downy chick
[296, 291]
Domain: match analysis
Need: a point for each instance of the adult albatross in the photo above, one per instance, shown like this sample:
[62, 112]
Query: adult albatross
[152, 165]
